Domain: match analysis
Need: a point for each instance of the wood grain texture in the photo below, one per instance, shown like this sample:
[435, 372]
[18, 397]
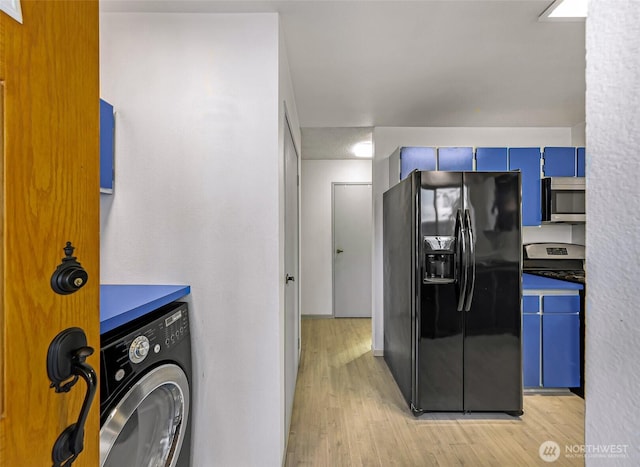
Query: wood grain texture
[2, 349]
[348, 411]
[49, 66]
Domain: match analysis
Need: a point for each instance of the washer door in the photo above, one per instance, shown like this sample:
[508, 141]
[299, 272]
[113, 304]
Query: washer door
[147, 426]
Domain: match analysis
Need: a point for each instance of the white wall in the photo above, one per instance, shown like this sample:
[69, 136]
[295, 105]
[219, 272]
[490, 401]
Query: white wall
[613, 250]
[316, 224]
[198, 201]
[287, 111]
[579, 134]
[387, 139]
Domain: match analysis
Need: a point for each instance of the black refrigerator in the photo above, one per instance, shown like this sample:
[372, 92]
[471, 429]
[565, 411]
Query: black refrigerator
[452, 290]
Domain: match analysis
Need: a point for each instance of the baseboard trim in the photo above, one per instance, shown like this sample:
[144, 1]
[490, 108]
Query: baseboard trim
[316, 316]
[377, 352]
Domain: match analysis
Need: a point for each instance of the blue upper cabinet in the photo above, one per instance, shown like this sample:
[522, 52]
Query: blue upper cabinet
[559, 162]
[492, 159]
[107, 127]
[416, 158]
[455, 159]
[527, 160]
[581, 162]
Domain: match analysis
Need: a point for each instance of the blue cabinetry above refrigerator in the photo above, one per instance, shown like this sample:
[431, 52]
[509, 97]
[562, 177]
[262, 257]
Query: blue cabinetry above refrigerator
[455, 159]
[558, 162]
[492, 159]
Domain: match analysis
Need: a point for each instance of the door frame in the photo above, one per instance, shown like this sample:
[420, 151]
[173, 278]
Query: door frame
[288, 411]
[333, 240]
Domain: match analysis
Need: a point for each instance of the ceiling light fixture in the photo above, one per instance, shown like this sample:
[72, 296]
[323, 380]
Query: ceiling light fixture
[363, 150]
[565, 10]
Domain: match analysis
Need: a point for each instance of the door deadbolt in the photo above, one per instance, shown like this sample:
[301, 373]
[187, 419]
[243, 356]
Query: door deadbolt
[69, 276]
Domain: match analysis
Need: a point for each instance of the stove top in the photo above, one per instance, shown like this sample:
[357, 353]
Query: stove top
[570, 276]
[562, 261]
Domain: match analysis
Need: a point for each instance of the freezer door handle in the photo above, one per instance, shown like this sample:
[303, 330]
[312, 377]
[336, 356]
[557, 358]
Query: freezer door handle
[462, 258]
[471, 261]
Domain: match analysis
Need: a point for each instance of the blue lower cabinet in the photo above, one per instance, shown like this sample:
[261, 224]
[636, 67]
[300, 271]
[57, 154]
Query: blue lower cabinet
[560, 350]
[530, 304]
[531, 350]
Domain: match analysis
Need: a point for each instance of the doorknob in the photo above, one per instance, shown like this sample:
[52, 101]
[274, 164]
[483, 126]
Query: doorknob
[338, 251]
[66, 361]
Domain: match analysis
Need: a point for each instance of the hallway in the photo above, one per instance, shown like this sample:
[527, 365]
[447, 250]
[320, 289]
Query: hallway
[348, 411]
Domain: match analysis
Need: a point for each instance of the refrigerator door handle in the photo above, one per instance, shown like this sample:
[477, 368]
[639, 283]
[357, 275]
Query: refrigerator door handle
[462, 260]
[471, 262]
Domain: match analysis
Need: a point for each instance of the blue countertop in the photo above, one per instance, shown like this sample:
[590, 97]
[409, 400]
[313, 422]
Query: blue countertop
[533, 282]
[120, 304]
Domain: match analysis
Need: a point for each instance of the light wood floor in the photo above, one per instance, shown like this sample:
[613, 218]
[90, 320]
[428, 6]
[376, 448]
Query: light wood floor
[348, 411]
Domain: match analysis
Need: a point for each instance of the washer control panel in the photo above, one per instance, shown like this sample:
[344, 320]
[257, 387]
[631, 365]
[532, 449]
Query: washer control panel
[124, 355]
[175, 327]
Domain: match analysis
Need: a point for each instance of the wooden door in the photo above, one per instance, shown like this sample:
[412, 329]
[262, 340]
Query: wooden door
[50, 195]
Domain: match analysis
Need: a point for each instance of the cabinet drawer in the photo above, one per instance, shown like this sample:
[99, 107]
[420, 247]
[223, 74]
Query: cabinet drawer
[561, 304]
[530, 304]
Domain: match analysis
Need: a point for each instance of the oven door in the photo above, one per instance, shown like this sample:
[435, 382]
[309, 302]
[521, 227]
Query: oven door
[147, 426]
[563, 200]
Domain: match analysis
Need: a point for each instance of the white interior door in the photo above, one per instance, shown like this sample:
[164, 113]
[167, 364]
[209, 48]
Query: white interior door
[352, 226]
[291, 309]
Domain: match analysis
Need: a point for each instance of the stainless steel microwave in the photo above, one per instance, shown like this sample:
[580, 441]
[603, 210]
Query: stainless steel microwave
[563, 200]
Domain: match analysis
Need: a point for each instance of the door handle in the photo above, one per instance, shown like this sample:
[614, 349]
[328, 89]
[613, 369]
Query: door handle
[461, 236]
[289, 278]
[338, 251]
[66, 362]
[471, 263]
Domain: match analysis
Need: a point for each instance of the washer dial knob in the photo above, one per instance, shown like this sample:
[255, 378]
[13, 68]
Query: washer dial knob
[139, 349]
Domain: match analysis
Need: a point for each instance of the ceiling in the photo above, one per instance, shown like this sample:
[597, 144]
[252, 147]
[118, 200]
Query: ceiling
[421, 63]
